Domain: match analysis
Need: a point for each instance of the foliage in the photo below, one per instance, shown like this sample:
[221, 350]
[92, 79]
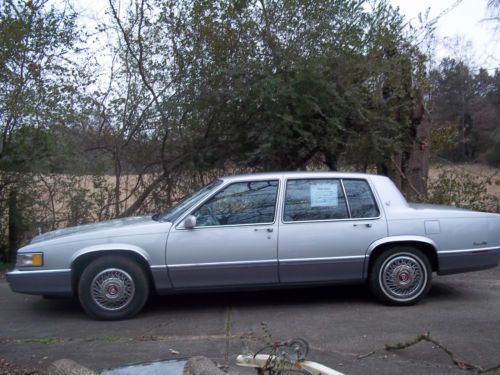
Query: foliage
[37, 87]
[463, 190]
[48, 201]
[294, 85]
[492, 153]
[466, 107]
[35, 79]
[444, 137]
[195, 89]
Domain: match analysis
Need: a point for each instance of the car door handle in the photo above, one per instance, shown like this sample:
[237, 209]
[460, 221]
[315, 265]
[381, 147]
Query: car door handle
[368, 225]
[270, 230]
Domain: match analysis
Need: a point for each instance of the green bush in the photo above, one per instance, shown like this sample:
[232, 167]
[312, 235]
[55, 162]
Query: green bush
[460, 189]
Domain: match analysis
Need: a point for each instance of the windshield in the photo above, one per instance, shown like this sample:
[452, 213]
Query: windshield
[185, 203]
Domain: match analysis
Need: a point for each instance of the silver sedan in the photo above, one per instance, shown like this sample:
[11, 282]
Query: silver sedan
[259, 231]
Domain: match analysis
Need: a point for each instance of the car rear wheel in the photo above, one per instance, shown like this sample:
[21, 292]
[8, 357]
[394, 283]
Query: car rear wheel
[113, 287]
[401, 276]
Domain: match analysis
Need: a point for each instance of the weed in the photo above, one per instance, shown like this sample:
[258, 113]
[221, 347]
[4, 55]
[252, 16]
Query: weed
[43, 340]
[102, 338]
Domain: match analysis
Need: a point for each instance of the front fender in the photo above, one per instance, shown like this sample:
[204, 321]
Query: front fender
[111, 247]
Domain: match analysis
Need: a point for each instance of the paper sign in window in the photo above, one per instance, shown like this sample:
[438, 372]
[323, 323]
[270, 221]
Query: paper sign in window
[324, 195]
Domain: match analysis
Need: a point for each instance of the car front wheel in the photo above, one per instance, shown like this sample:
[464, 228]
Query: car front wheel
[401, 276]
[113, 287]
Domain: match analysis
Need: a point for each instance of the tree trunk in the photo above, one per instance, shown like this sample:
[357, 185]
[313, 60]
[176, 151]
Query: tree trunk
[410, 169]
[13, 226]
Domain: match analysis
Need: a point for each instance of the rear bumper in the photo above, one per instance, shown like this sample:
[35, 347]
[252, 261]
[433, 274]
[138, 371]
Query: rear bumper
[468, 260]
[49, 283]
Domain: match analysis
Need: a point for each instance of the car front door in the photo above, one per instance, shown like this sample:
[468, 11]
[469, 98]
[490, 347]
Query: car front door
[234, 241]
[324, 236]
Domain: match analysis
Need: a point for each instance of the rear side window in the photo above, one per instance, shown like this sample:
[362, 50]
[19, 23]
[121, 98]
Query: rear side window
[314, 199]
[360, 197]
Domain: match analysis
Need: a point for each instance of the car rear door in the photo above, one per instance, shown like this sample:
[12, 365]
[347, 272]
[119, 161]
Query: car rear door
[323, 235]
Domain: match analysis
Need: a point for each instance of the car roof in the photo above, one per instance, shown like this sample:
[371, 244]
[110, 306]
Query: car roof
[300, 174]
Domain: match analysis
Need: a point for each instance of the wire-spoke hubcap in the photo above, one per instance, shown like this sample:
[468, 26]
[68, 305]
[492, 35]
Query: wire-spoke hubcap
[112, 289]
[403, 277]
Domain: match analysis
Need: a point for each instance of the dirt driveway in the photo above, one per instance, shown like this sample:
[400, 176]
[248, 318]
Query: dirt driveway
[346, 329]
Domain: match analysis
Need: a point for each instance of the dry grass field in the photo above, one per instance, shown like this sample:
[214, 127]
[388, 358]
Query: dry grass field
[490, 176]
[68, 200]
[487, 174]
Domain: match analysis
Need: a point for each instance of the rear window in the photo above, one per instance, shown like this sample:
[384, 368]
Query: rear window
[360, 197]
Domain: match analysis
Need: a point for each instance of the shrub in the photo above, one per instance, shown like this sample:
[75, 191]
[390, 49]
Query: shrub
[460, 189]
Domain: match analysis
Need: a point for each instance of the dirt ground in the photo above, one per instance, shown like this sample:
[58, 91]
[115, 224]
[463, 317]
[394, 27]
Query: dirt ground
[8, 368]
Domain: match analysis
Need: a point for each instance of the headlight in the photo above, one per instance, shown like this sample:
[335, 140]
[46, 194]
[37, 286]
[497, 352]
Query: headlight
[29, 260]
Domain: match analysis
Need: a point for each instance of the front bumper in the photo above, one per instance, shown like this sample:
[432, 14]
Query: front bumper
[43, 282]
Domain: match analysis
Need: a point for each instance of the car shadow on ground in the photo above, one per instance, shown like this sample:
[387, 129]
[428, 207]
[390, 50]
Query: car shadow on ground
[293, 297]
[58, 307]
[358, 294]
[69, 308]
[333, 295]
[446, 291]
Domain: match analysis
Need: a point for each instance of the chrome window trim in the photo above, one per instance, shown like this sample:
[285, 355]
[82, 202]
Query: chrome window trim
[375, 198]
[229, 226]
[330, 220]
[346, 199]
[181, 219]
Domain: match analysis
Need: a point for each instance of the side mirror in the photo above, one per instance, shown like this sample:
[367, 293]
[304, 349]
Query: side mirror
[190, 222]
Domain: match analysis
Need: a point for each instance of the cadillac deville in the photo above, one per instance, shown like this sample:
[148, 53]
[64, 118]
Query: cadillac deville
[262, 230]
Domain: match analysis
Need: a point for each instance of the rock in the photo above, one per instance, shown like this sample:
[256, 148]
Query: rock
[68, 367]
[201, 366]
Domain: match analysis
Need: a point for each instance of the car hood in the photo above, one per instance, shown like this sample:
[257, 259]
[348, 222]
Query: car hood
[100, 226]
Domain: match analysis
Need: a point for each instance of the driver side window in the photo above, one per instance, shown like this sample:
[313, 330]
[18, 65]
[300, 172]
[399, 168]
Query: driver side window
[251, 202]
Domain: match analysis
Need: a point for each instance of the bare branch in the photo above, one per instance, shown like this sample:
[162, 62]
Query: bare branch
[461, 364]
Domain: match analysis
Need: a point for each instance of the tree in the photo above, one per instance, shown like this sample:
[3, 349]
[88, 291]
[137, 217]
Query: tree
[200, 88]
[34, 94]
[277, 85]
[465, 107]
[34, 80]
[453, 103]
